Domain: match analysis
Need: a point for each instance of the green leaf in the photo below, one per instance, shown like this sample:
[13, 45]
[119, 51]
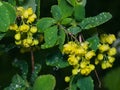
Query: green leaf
[29, 3]
[74, 30]
[11, 12]
[44, 82]
[112, 79]
[92, 22]
[56, 12]
[20, 2]
[72, 2]
[2, 35]
[4, 18]
[81, 2]
[6, 48]
[79, 82]
[13, 2]
[61, 38]
[56, 59]
[17, 83]
[77, 2]
[66, 21]
[50, 37]
[85, 83]
[94, 42]
[45, 23]
[73, 83]
[23, 66]
[66, 8]
[34, 75]
[79, 12]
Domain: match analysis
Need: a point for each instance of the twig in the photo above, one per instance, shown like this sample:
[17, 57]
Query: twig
[80, 38]
[67, 88]
[98, 78]
[32, 60]
[68, 32]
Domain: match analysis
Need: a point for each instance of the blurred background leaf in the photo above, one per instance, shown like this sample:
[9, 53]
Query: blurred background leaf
[112, 79]
[45, 82]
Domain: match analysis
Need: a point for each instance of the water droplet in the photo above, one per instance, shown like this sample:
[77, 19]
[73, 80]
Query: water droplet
[56, 68]
[17, 86]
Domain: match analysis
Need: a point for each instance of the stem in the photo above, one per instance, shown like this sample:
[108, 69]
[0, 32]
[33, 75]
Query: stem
[32, 60]
[68, 33]
[66, 88]
[98, 78]
[80, 38]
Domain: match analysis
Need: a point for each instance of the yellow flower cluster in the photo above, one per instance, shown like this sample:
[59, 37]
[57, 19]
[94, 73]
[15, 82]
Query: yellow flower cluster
[26, 14]
[25, 31]
[108, 39]
[79, 56]
[105, 51]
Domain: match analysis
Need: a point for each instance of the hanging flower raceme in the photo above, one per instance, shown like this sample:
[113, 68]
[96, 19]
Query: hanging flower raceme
[82, 57]
[106, 52]
[25, 30]
[79, 56]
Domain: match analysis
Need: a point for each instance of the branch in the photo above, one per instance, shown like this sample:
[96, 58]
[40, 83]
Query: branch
[68, 32]
[32, 59]
[99, 82]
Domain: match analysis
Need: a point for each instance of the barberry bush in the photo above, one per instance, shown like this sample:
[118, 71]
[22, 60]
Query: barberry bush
[64, 48]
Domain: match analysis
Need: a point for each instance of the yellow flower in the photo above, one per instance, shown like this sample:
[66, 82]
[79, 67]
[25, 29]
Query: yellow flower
[108, 64]
[29, 40]
[104, 47]
[85, 45]
[35, 42]
[14, 27]
[80, 51]
[88, 70]
[111, 38]
[103, 38]
[20, 11]
[17, 36]
[25, 43]
[83, 64]
[83, 71]
[24, 28]
[31, 18]
[18, 42]
[69, 48]
[25, 14]
[111, 59]
[89, 55]
[30, 11]
[92, 67]
[73, 60]
[103, 65]
[75, 71]
[67, 79]
[33, 29]
[96, 61]
[100, 56]
[112, 51]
